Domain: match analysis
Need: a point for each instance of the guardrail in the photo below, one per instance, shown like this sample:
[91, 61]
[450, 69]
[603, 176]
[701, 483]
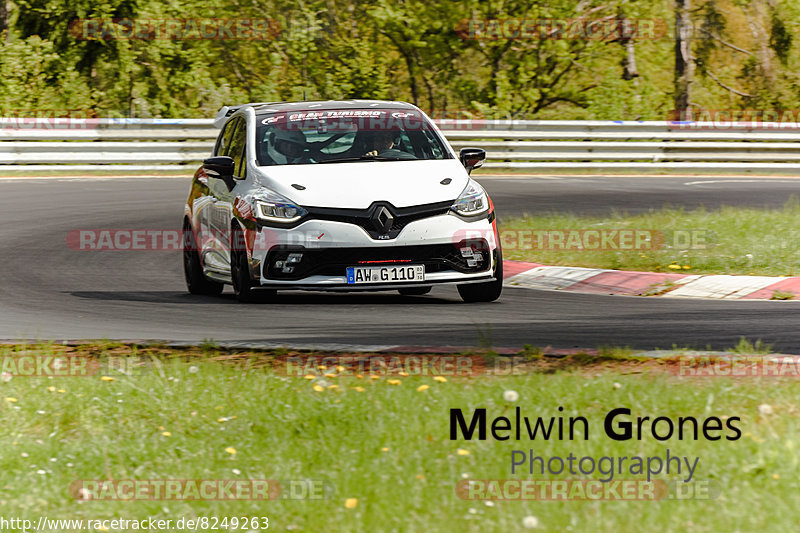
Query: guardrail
[153, 144]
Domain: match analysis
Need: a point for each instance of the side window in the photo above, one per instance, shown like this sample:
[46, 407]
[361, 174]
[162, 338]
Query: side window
[225, 138]
[237, 147]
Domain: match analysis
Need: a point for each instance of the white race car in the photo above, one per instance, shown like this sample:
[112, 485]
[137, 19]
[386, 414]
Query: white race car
[338, 195]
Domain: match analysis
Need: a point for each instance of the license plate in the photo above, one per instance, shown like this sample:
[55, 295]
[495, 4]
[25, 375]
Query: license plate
[385, 274]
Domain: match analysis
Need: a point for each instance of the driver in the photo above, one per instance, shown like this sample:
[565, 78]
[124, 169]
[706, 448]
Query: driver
[288, 147]
[384, 144]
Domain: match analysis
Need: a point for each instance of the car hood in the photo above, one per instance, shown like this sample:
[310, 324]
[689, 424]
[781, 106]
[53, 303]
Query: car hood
[357, 185]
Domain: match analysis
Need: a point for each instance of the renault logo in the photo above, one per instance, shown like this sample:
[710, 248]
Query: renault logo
[382, 220]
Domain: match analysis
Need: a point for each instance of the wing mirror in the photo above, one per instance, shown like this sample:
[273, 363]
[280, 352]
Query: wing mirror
[220, 167]
[472, 158]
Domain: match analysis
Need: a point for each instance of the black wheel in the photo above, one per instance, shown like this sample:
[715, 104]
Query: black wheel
[485, 292]
[414, 291]
[196, 281]
[243, 285]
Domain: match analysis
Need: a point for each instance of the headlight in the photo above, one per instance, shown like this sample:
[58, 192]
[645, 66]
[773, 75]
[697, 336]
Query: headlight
[472, 200]
[273, 207]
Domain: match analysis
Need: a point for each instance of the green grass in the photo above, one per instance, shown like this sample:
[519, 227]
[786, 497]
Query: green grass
[385, 445]
[730, 240]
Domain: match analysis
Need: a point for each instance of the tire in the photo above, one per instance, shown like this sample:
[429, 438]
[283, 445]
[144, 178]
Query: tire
[414, 291]
[196, 281]
[243, 285]
[485, 292]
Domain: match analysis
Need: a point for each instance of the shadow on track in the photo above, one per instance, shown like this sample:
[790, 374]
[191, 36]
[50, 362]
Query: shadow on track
[283, 298]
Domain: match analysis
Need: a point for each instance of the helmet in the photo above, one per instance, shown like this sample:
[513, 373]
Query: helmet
[280, 147]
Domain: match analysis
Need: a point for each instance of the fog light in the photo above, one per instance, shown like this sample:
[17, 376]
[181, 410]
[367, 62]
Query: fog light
[279, 264]
[287, 270]
[472, 263]
[294, 258]
[467, 252]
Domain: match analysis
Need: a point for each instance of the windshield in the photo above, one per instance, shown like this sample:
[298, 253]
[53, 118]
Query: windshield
[335, 136]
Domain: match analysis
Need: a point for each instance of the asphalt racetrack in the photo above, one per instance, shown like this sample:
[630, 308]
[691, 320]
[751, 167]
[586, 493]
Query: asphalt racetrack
[50, 291]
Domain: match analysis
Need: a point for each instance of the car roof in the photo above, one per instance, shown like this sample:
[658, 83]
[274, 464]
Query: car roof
[329, 105]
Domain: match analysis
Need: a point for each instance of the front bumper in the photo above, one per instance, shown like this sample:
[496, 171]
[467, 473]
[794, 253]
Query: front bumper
[329, 247]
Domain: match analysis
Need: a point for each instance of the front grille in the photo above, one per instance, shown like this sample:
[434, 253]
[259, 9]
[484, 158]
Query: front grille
[402, 216]
[334, 261]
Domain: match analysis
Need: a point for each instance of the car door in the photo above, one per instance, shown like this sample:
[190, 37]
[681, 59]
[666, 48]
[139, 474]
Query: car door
[222, 210]
[203, 206]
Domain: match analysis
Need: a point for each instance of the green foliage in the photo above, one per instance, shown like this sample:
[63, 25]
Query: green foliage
[412, 50]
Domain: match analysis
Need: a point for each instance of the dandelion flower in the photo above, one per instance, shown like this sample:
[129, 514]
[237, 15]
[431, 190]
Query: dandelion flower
[765, 409]
[530, 522]
[51, 388]
[236, 471]
[166, 433]
[193, 369]
[423, 388]
[440, 379]
[11, 400]
[318, 388]
[462, 451]
[107, 378]
[384, 449]
[358, 389]
[333, 386]
[374, 377]
[351, 503]
[231, 450]
[393, 381]
[510, 395]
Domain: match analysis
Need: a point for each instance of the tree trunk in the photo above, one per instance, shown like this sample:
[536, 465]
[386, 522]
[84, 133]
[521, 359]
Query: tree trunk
[684, 63]
[3, 16]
